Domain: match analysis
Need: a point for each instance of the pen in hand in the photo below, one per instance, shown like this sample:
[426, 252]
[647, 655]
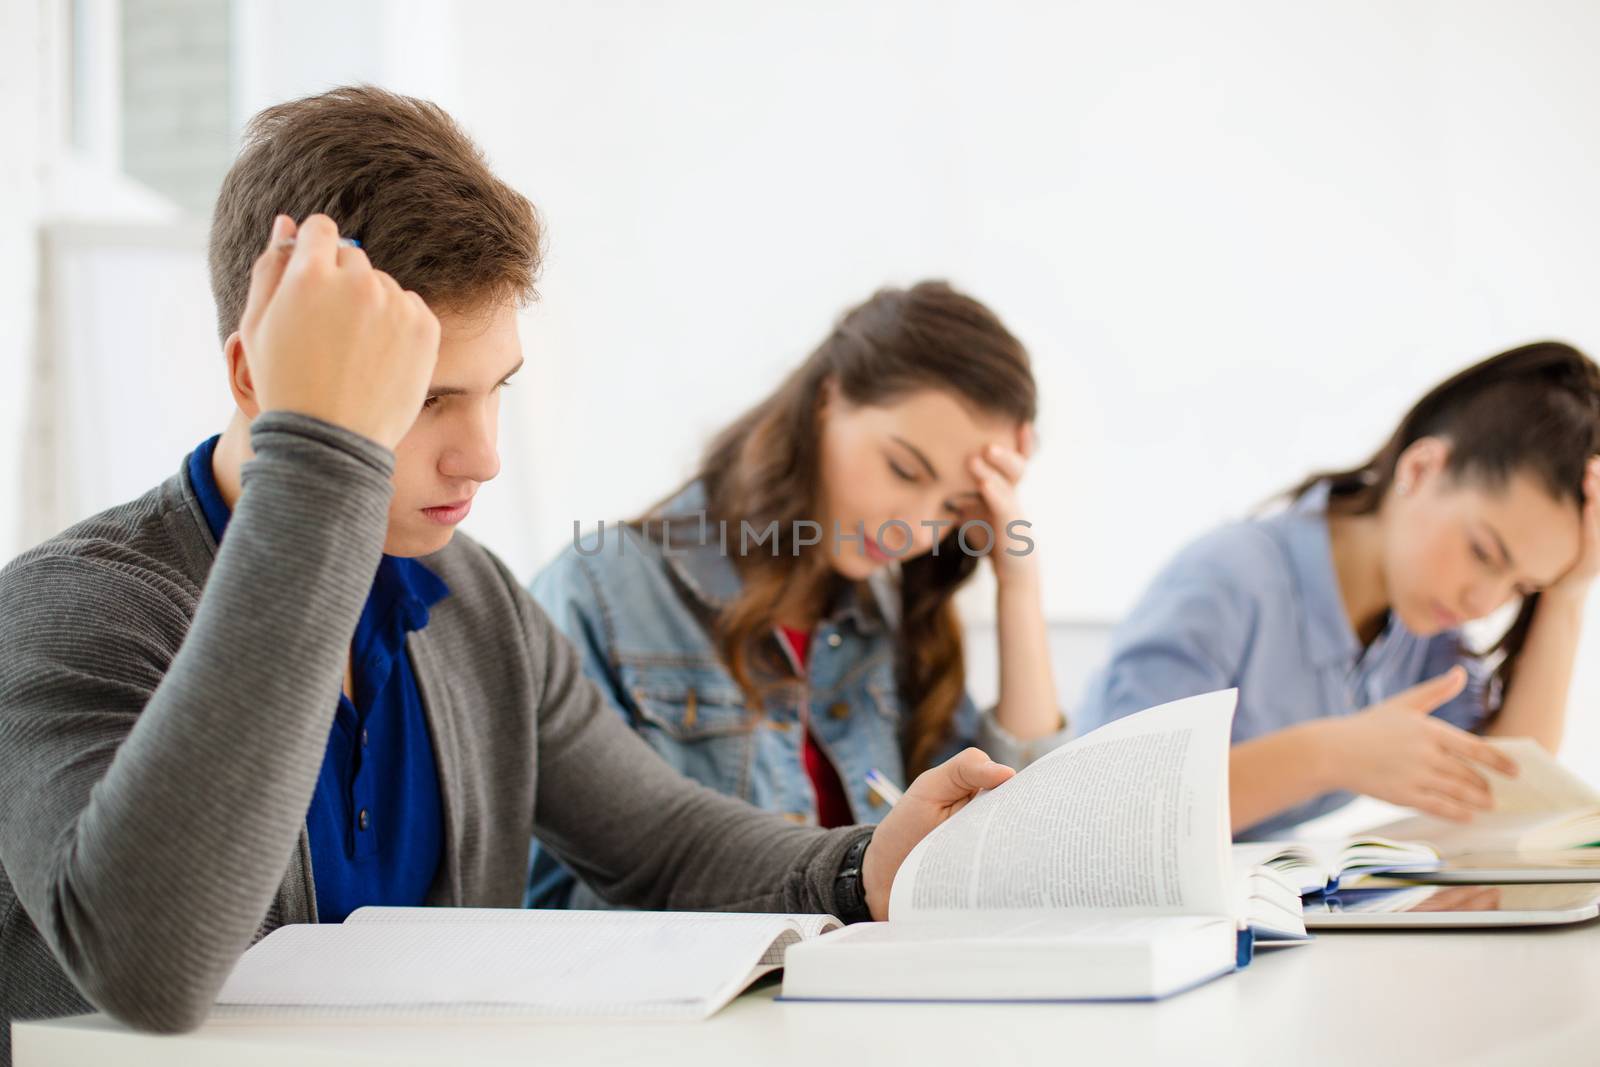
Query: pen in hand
[879, 783]
[287, 244]
[890, 793]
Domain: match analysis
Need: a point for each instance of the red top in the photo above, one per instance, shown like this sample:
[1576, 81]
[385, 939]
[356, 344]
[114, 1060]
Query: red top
[833, 807]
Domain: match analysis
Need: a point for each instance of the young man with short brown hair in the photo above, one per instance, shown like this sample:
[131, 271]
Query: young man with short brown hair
[181, 770]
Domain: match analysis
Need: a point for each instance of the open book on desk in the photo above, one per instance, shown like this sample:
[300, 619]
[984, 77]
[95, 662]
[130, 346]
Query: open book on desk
[1102, 871]
[1311, 868]
[1545, 807]
[509, 962]
[1270, 901]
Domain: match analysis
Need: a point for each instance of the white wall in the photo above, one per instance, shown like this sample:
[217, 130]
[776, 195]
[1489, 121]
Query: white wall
[285, 49]
[131, 374]
[1239, 237]
[133, 386]
[21, 84]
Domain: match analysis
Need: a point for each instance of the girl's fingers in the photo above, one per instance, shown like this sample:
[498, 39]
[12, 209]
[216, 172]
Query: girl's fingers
[1424, 697]
[1007, 462]
[1591, 492]
[1469, 786]
[1588, 562]
[1443, 806]
[1471, 749]
[993, 484]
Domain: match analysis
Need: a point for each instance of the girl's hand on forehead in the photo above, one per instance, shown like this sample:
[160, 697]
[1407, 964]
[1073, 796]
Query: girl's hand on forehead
[999, 469]
[1581, 575]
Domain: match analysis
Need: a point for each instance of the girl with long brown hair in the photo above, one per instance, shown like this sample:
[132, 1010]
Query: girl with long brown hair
[783, 624]
[1340, 618]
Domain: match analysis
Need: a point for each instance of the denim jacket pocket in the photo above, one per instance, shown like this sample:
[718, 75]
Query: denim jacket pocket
[694, 716]
[884, 691]
[692, 710]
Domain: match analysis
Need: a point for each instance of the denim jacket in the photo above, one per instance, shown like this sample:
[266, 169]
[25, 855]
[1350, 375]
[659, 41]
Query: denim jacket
[641, 615]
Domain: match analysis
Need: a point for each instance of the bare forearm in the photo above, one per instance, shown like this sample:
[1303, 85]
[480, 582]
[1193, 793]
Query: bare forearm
[1027, 708]
[1536, 703]
[1270, 774]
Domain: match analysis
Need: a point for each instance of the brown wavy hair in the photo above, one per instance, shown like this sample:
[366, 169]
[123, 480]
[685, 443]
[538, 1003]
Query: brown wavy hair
[764, 467]
[1530, 410]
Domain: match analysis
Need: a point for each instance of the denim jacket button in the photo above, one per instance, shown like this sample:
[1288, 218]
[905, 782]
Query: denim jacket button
[834, 640]
[840, 710]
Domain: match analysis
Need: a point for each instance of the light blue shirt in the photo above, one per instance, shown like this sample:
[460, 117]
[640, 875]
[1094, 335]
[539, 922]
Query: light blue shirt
[1256, 605]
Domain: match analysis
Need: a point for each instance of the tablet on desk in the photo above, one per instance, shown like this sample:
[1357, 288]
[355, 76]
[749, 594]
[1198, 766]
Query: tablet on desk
[1429, 906]
[1473, 868]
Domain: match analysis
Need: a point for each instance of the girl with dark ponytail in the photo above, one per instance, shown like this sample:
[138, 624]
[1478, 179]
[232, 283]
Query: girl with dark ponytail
[1340, 618]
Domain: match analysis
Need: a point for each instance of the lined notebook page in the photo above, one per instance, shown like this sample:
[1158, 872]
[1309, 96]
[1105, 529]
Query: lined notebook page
[791, 928]
[567, 964]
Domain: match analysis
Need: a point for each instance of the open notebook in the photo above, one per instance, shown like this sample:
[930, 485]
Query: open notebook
[1545, 807]
[1315, 867]
[493, 961]
[1102, 871]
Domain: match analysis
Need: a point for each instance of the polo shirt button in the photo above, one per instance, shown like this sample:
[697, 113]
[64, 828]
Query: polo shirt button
[363, 737]
[834, 640]
[840, 710]
[362, 820]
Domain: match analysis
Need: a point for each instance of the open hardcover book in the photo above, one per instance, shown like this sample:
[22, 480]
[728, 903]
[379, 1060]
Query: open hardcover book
[503, 961]
[1544, 808]
[1309, 868]
[1102, 871]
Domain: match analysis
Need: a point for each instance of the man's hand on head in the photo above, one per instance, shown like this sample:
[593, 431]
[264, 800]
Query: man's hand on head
[326, 334]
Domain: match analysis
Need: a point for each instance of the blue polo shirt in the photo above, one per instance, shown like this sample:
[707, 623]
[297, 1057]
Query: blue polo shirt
[375, 824]
[1257, 605]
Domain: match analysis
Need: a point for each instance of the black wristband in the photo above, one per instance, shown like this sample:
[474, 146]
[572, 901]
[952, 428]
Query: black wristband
[849, 887]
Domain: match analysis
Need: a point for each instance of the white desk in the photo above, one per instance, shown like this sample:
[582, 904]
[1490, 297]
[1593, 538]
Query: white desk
[1498, 997]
